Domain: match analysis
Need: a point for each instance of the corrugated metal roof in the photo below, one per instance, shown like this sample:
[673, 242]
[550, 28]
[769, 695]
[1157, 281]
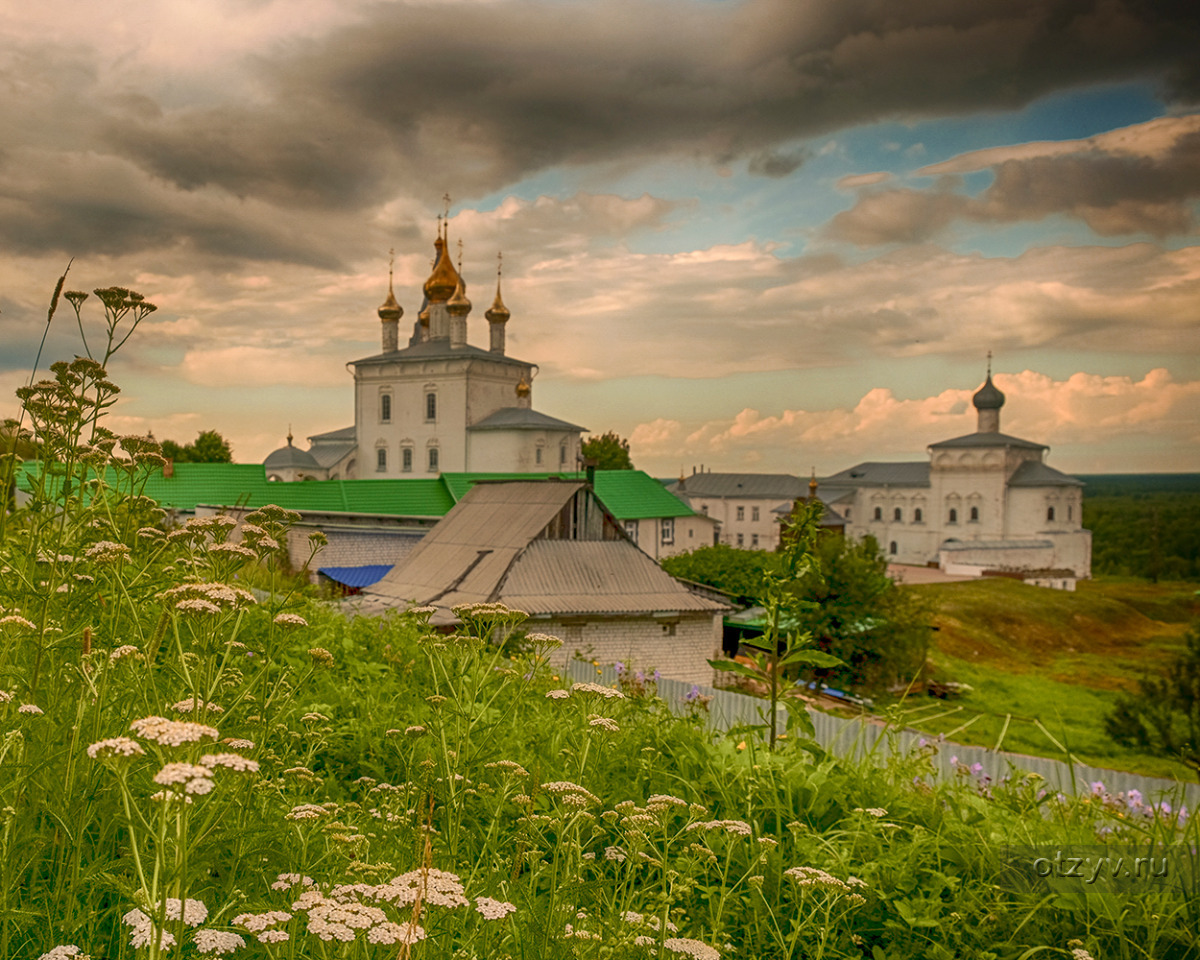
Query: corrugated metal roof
[988, 440]
[339, 435]
[596, 576]
[522, 418]
[880, 474]
[327, 454]
[362, 576]
[781, 486]
[1034, 473]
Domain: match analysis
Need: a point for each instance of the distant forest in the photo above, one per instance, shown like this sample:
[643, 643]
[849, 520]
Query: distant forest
[1144, 525]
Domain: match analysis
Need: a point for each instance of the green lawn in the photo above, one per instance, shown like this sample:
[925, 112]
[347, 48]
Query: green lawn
[1045, 665]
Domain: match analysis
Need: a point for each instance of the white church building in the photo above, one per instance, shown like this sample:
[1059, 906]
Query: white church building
[438, 404]
[982, 503]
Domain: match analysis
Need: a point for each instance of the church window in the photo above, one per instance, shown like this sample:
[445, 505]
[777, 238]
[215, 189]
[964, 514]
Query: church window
[433, 459]
[562, 453]
[754, 513]
[537, 455]
[892, 548]
[381, 460]
[974, 514]
[668, 531]
[879, 513]
[406, 458]
[385, 408]
[897, 515]
[704, 509]
[1049, 513]
[431, 406]
[741, 513]
[847, 513]
[918, 515]
[953, 516]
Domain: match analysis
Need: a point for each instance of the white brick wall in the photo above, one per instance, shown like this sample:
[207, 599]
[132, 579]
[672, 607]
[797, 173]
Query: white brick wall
[642, 643]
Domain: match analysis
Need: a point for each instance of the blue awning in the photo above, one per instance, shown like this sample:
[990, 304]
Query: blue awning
[357, 576]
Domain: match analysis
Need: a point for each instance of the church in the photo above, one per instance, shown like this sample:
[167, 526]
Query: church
[438, 404]
[983, 503]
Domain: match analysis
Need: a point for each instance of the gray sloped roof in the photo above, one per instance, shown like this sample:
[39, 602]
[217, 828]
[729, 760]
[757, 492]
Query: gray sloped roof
[876, 474]
[596, 576]
[327, 454]
[438, 350]
[1034, 473]
[290, 457]
[760, 486]
[334, 436]
[522, 418]
[988, 440]
[829, 516]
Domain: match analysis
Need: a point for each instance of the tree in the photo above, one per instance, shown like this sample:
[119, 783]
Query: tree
[609, 451]
[736, 572]
[1163, 717]
[208, 447]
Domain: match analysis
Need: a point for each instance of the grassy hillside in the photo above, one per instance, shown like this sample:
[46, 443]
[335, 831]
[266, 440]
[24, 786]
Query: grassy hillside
[1045, 664]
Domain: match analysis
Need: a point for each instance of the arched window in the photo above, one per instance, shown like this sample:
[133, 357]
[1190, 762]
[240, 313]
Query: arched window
[953, 516]
[974, 514]
[1070, 512]
[879, 513]
[381, 460]
[918, 516]
[385, 408]
[431, 406]
[406, 459]
[897, 515]
[562, 458]
[537, 454]
[1049, 513]
[433, 459]
[892, 548]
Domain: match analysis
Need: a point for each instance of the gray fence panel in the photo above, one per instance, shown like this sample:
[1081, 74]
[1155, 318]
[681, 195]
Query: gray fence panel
[857, 736]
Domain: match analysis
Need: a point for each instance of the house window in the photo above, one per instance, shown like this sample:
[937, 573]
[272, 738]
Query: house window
[953, 516]
[974, 514]
[631, 530]
[431, 406]
[406, 459]
[879, 513]
[892, 548]
[381, 460]
[1049, 513]
[668, 531]
[754, 514]
[704, 509]
[537, 455]
[741, 540]
[846, 512]
[433, 459]
[897, 515]
[385, 408]
[754, 541]
[918, 516]
[741, 513]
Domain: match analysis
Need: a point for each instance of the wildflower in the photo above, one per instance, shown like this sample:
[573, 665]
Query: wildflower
[192, 777]
[396, 933]
[438, 888]
[313, 717]
[125, 650]
[414, 731]
[1080, 954]
[872, 811]
[105, 551]
[234, 761]
[557, 694]
[564, 789]
[813, 877]
[67, 951]
[235, 548]
[321, 657]
[693, 948]
[115, 747]
[172, 733]
[218, 941]
[615, 854]
[193, 912]
[739, 827]
[609, 693]
[5, 696]
[543, 640]
[285, 881]
[196, 705]
[238, 744]
[196, 605]
[289, 620]
[493, 909]
[273, 936]
[304, 811]
[30, 708]
[144, 933]
[15, 620]
[604, 723]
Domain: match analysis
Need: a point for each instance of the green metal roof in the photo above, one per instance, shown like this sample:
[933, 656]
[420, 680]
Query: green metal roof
[626, 494]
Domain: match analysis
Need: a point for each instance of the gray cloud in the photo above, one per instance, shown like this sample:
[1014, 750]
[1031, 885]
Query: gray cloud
[896, 216]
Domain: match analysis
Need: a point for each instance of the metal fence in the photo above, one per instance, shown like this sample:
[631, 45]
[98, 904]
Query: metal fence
[860, 736]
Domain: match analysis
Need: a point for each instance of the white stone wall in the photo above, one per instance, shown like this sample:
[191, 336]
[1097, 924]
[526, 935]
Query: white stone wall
[679, 647]
[515, 451]
[724, 511]
[691, 533]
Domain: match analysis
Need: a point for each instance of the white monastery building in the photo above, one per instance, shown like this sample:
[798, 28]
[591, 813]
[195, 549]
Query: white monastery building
[438, 404]
[983, 503]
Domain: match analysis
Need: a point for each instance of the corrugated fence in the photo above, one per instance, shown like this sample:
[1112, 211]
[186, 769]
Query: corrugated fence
[853, 737]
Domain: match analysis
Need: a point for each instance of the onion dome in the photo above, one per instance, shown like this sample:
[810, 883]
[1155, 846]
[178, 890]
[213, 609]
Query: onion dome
[391, 310]
[458, 305]
[497, 312]
[443, 281]
[988, 396]
[523, 387]
[290, 457]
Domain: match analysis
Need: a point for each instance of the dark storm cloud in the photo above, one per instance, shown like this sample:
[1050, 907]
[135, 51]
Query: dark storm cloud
[479, 95]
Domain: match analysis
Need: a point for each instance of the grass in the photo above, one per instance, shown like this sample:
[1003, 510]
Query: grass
[1046, 665]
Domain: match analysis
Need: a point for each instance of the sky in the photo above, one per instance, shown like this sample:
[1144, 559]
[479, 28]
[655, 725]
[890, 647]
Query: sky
[753, 235]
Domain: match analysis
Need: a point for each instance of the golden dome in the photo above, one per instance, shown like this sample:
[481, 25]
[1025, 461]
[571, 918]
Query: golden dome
[443, 280]
[523, 387]
[423, 316]
[497, 312]
[458, 305]
[391, 310]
